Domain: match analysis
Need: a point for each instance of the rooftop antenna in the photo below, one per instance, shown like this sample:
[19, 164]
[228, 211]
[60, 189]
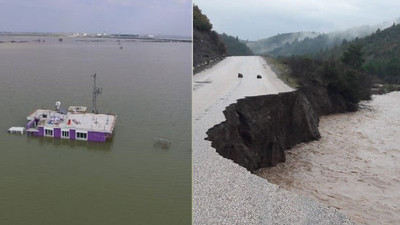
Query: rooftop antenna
[96, 92]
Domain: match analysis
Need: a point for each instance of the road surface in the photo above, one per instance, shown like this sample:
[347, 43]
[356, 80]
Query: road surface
[224, 192]
[221, 81]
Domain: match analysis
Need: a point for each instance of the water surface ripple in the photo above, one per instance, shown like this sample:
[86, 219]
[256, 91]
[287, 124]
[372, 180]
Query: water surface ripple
[354, 167]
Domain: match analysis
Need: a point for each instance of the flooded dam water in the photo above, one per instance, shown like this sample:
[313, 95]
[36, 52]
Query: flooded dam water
[354, 167]
[128, 180]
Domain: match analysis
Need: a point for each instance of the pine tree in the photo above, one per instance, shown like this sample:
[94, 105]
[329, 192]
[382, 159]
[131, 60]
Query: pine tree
[353, 56]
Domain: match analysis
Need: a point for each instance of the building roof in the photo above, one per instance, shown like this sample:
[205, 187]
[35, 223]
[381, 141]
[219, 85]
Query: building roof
[78, 121]
[16, 130]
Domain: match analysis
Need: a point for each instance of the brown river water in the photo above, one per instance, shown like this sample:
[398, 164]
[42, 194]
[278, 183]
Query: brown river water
[354, 167]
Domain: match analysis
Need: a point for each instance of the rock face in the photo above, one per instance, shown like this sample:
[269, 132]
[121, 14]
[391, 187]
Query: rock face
[259, 129]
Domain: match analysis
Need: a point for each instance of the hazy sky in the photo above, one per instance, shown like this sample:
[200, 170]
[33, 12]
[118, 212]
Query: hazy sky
[254, 19]
[111, 16]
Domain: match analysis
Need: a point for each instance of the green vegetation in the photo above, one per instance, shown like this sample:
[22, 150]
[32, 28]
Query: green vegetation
[381, 51]
[267, 45]
[234, 46]
[308, 46]
[351, 68]
[282, 71]
[200, 21]
[353, 56]
[343, 76]
[208, 48]
[308, 43]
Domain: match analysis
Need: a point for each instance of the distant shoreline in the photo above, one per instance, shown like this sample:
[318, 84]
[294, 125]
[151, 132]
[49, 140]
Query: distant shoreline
[150, 38]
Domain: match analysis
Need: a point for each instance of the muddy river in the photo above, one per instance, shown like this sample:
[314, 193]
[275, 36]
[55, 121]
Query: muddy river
[354, 167]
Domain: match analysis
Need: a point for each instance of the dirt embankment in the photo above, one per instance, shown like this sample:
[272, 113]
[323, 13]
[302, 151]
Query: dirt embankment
[258, 130]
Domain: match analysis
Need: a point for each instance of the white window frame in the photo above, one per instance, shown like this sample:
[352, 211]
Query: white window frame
[50, 130]
[65, 130]
[81, 138]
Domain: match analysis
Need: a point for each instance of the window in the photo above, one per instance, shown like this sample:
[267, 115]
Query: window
[48, 132]
[81, 136]
[65, 133]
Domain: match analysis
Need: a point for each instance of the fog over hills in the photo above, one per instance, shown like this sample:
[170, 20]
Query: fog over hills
[266, 45]
[300, 43]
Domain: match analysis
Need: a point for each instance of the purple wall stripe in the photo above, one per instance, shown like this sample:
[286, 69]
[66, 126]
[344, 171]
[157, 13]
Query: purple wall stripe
[72, 134]
[96, 136]
[57, 133]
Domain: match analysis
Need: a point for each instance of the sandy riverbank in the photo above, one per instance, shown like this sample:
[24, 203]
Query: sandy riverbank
[354, 166]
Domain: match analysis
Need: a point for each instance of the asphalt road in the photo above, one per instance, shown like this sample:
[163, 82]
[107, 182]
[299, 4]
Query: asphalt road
[221, 81]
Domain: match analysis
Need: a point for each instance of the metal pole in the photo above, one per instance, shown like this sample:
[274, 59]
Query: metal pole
[96, 91]
[95, 95]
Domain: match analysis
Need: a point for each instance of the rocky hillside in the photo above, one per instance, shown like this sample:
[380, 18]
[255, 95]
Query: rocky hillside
[207, 46]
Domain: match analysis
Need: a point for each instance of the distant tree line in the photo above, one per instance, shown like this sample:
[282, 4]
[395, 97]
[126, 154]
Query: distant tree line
[234, 46]
[344, 75]
[381, 51]
[308, 46]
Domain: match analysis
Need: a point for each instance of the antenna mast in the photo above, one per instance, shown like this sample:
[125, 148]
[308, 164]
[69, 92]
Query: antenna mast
[96, 92]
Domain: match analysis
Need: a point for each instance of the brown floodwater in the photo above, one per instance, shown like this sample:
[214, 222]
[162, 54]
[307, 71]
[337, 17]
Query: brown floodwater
[354, 167]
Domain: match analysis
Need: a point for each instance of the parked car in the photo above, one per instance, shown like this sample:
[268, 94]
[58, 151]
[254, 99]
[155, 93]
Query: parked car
[259, 76]
[240, 75]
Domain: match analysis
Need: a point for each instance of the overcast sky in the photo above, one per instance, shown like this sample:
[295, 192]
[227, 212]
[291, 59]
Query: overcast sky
[254, 19]
[112, 16]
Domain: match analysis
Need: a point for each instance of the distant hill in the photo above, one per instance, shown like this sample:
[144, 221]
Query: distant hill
[381, 51]
[234, 46]
[207, 45]
[310, 43]
[308, 46]
[266, 45]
